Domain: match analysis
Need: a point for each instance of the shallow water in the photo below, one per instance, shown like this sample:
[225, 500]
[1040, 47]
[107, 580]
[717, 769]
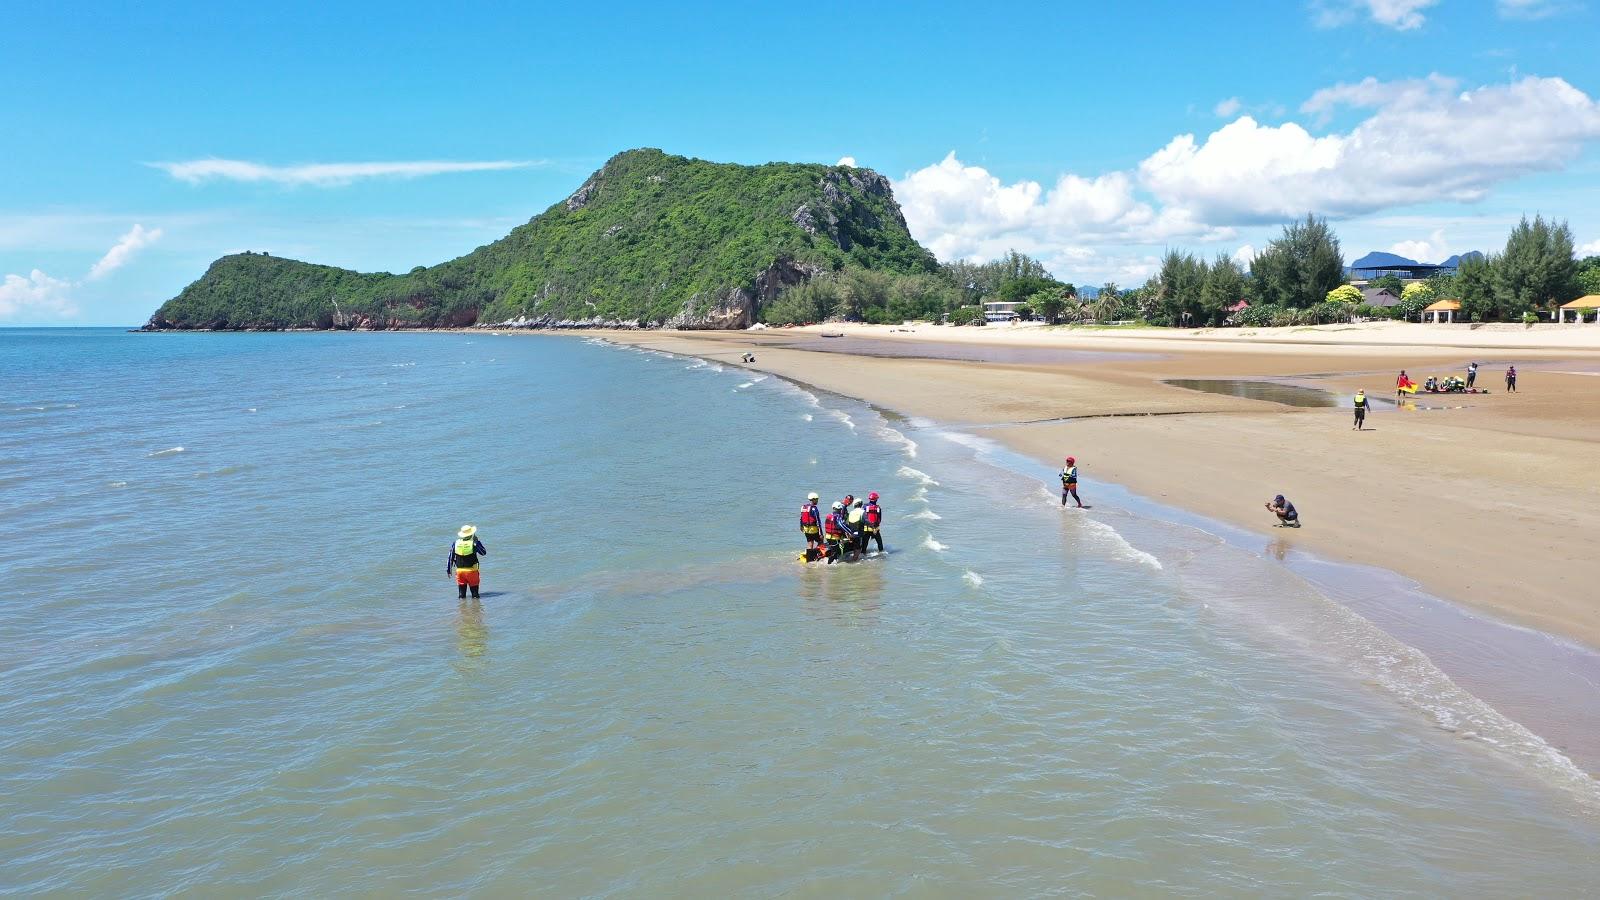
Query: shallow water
[1271, 391]
[242, 669]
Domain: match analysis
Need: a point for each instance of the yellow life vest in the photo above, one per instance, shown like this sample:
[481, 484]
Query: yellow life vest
[856, 514]
[466, 547]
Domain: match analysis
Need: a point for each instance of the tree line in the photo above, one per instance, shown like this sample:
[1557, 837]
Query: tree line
[1298, 279]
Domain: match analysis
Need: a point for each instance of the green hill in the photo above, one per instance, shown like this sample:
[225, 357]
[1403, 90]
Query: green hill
[650, 239]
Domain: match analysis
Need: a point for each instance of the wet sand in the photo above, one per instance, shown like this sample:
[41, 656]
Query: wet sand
[1491, 500]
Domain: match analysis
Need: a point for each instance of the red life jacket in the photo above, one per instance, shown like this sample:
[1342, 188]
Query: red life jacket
[808, 515]
[831, 526]
[874, 515]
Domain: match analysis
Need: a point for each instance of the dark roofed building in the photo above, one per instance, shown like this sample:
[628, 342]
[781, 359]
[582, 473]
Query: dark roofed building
[1372, 296]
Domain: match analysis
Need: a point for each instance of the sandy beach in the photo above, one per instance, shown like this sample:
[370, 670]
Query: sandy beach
[1490, 500]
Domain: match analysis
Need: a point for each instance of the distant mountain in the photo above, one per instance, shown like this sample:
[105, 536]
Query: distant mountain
[1454, 262]
[1378, 259]
[650, 239]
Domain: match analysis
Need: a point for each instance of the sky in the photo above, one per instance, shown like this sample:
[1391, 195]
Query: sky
[142, 141]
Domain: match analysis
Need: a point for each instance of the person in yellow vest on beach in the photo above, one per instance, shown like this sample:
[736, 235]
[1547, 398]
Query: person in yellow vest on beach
[463, 561]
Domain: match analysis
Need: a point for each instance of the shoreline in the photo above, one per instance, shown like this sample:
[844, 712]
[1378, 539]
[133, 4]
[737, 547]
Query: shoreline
[1542, 668]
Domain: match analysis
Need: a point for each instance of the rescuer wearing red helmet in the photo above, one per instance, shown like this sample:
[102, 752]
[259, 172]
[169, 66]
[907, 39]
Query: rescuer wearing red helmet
[872, 524]
[1069, 482]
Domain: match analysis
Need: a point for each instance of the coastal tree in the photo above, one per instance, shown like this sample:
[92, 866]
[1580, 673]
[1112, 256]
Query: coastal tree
[1049, 302]
[1474, 286]
[1536, 270]
[1224, 286]
[1299, 268]
[1414, 299]
[1391, 282]
[1179, 284]
[1345, 293]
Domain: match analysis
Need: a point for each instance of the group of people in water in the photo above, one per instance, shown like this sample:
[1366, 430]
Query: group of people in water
[845, 532]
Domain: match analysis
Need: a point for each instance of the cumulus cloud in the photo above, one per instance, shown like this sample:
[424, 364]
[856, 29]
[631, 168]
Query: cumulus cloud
[1226, 109]
[1590, 249]
[1434, 249]
[846, 161]
[1533, 9]
[1413, 141]
[964, 212]
[1401, 15]
[1423, 142]
[137, 238]
[198, 171]
[37, 296]
[1245, 255]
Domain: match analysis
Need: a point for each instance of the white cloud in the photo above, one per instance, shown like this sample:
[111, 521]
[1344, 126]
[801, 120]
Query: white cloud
[136, 239]
[1245, 255]
[1423, 143]
[1401, 15]
[198, 171]
[1414, 141]
[846, 161]
[1533, 9]
[963, 212]
[1226, 109]
[1432, 250]
[1590, 249]
[38, 296]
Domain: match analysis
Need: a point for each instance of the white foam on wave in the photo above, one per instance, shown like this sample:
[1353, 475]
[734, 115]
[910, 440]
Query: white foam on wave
[926, 515]
[167, 452]
[894, 436]
[917, 475]
[250, 409]
[931, 544]
[972, 578]
[1110, 538]
[807, 417]
[843, 417]
[117, 484]
[407, 365]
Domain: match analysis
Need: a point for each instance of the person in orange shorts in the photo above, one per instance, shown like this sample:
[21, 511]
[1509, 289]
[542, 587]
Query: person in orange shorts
[463, 561]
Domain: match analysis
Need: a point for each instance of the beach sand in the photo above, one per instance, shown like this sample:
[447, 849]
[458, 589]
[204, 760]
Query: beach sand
[1490, 500]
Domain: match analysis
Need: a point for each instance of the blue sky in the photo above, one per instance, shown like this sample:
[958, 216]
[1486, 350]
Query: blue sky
[143, 142]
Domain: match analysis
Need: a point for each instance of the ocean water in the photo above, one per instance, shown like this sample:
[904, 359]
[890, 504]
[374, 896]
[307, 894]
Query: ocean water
[232, 661]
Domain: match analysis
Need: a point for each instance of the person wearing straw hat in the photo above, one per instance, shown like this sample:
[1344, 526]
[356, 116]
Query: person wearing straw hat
[463, 561]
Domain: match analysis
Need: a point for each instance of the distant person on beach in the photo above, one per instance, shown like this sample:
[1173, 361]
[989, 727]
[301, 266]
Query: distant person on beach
[872, 529]
[1361, 409]
[1287, 517]
[836, 533]
[1403, 382]
[1069, 482]
[463, 561]
[811, 522]
[1472, 374]
[1511, 379]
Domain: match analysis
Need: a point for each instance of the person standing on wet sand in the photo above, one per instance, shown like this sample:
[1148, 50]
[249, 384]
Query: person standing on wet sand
[463, 561]
[1511, 379]
[1400, 385]
[1472, 374]
[1069, 482]
[1361, 409]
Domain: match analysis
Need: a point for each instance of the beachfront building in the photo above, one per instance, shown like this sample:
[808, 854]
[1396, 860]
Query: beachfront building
[1383, 297]
[1442, 310]
[1001, 310]
[1580, 307]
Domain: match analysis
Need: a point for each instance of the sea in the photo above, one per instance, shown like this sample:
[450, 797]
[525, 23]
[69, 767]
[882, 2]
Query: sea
[233, 663]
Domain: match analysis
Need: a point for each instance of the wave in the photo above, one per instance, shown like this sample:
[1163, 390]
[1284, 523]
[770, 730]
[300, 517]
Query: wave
[167, 452]
[972, 578]
[931, 544]
[894, 436]
[843, 417]
[926, 515]
[250, 409]
[1112, 539]
[917, 475]
[807, 417]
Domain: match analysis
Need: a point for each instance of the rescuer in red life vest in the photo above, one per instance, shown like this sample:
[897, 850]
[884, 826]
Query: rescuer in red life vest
[811, 521]
[872, 529]
[836, 532]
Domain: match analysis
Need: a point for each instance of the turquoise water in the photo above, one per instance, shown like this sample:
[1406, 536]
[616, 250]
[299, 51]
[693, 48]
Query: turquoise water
[233, 662]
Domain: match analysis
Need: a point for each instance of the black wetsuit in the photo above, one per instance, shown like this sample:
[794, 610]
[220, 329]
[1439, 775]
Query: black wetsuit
[1361, 409]
[871, 532]
[455, 560]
